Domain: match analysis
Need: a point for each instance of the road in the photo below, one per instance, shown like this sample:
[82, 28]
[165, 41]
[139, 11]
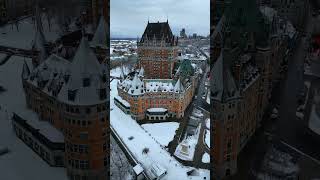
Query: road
[201, 148]
[289, 128]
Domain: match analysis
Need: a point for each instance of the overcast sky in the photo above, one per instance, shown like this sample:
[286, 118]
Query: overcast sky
[128, 18]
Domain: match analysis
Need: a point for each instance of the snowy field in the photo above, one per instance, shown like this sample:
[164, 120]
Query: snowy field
[162, 132]
[23, 38]
[126, 127]
[21, 163]
[205, 158]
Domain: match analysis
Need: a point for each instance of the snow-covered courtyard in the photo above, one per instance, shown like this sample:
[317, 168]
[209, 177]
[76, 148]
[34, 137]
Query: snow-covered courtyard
[162, 132]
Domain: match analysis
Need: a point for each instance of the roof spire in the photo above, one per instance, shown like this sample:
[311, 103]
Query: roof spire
[25, 70]
[100, 36]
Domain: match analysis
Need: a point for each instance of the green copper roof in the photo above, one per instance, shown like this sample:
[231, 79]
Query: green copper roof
[186, 68]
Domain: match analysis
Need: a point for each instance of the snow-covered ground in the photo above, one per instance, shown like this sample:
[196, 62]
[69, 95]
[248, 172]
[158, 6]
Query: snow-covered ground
[208, 97]
[208, 123]
[207, 138]
[162, 132]
[126, 127]
[205, 158]
[21, 163]
[23, 38]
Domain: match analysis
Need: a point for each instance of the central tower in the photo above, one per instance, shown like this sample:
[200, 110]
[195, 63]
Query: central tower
[157, 51]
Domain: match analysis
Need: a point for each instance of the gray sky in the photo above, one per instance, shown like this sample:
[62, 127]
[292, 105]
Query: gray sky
[128, 18]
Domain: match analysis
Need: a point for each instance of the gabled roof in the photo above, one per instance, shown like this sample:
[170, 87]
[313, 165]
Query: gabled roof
[223, 83]
[159, 30]
[100, 36]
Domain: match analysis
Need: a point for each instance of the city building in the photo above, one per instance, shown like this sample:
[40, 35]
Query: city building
[163, 86]
[247, 58]
[71, 103]
[183, 33]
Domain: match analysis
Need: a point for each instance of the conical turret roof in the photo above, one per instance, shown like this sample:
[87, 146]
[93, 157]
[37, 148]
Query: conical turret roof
[100, 36]
[25, 71]
[178, 87]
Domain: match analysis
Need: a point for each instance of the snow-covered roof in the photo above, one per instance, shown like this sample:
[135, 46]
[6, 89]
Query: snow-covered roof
[157, 110]
[50, 75]
[158, 86]
[178, 87]
[137, 87]
[124, 102]
[158, 170]
[223, 83]
[25, 71]
[141, 72]
[138, 169]
[100, 36]
[47, 130]
[86, 78]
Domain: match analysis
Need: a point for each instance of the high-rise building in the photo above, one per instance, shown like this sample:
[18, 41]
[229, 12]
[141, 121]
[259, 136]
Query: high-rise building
[183, 33]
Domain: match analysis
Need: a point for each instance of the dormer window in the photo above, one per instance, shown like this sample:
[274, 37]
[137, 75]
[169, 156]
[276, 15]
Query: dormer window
[86, 82]
[103, 94]
[71, 95]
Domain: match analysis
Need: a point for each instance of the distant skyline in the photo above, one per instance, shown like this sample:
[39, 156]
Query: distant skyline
[128, 18]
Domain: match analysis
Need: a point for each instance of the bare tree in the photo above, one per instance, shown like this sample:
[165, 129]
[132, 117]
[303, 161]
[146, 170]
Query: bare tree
[120, 167]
